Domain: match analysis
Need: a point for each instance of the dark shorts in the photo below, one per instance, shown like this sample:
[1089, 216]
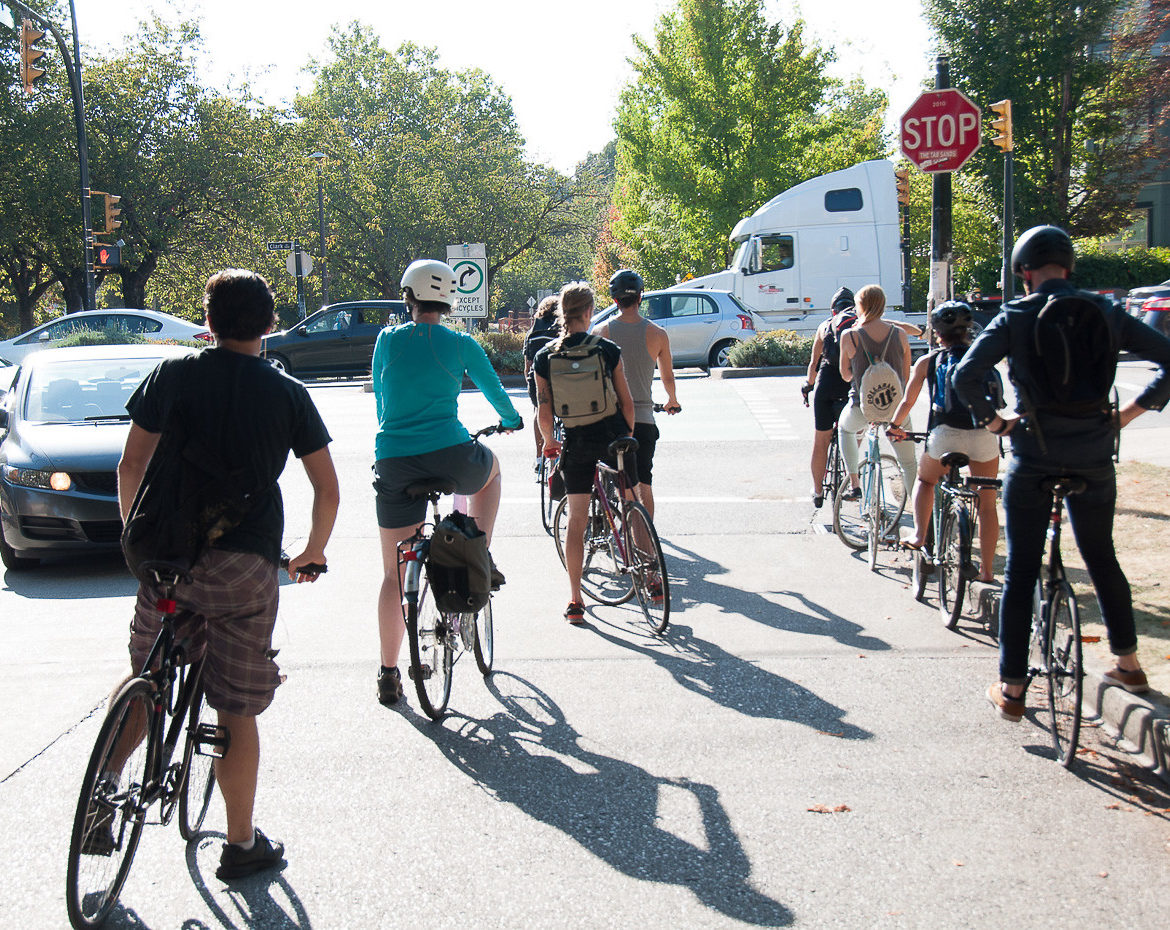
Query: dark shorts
[579, 460]
[828, 400]
[227, 612]
[531, 380]
[468, 465]
[647, 436]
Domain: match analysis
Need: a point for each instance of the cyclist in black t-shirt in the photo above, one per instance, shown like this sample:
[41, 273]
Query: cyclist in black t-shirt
[584, 446]
[829, 390]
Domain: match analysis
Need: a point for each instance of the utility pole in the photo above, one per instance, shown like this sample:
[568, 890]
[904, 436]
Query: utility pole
[73, 70]
[940, 216]
[1002, 124]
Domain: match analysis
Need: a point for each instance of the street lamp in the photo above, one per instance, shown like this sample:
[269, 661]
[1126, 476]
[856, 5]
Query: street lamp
[319, 158]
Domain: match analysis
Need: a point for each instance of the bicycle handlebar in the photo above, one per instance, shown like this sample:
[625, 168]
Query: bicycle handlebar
[497, 428]
[310, 568]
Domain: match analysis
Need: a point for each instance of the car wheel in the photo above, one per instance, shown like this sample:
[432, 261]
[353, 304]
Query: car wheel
[280, 363]
[720, 352]
[9, 557]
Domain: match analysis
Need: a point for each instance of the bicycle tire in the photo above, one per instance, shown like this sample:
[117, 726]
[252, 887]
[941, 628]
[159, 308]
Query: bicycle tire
[872, 492]
[431, 655]
[93, 876]
[952, 580]
[548, 505]
[893, 493]
[485, 639]
[1065, 673]
[198, 773]
[647, 566]
[1037, 661]
[973, 567]
[602, 577]
[847, 518]
[924, 568]
[834, 469]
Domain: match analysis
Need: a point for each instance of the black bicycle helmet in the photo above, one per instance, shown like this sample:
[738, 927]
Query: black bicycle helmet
[1040, 246]
[951, 319]
[842, 299]
[626, 283]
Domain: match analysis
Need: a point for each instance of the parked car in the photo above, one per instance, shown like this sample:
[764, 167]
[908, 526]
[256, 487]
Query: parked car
[703, 325]
[150, 325]
[336, 340]
[63, 423]
[1151, 305]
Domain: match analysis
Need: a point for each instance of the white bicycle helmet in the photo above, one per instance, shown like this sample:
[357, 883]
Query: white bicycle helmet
[430, 279]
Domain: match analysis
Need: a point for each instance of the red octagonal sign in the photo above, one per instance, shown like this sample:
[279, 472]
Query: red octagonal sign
[940, 131]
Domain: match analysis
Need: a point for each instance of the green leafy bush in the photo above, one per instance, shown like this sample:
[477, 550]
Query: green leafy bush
[777, 347]
[99, 337]
[1098, 267]
[504, 350]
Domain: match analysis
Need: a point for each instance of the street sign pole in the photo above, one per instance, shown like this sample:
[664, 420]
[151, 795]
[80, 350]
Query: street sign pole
[940, 214]
[1008, 287]
[300, 280]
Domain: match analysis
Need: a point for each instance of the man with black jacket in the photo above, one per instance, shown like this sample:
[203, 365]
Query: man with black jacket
[1061, 428]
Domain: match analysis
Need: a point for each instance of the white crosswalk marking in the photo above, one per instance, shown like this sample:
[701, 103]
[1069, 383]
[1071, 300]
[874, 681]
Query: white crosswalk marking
[775, 425]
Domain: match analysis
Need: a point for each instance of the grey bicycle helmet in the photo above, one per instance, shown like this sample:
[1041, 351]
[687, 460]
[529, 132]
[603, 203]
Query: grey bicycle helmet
[1040, 246]
[951, 319]
[626, 283]
[842, 300]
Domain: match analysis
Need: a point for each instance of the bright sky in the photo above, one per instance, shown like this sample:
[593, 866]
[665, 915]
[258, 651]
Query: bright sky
[563, 65]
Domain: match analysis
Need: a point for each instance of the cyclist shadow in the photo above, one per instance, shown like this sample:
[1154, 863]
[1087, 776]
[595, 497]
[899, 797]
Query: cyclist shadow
[528, 755]
[735, 683]
[264, 900]
[690, 577]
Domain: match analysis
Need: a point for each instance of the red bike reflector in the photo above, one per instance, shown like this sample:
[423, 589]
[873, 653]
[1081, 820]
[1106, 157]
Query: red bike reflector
[410, 555]
[166, 605]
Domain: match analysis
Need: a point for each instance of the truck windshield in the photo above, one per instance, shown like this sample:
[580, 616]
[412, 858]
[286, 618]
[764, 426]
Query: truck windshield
[743, 256]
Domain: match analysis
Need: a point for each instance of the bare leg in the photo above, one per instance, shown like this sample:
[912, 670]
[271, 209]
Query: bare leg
[575, 542]
[929, 472]
[236, 774]
[988, 519]
[820, 459]
[391, 622]
[485, 503]
[646, 496]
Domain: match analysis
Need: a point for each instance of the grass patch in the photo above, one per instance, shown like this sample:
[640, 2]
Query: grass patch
[1141, 532]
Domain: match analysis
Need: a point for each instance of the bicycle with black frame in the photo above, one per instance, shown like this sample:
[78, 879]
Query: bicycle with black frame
[1054, 647]
[834, 464]
[546, 476]
[437, 637]
[622, 554]
[132, 767]
[952, 555]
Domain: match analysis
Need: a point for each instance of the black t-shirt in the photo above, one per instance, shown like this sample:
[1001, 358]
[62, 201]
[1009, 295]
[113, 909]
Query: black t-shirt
[611, 354]
[250, 415]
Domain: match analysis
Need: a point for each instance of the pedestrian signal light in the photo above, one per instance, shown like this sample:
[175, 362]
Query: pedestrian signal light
[107, 256]
[902, 178]
[1002, 124]
[29, 54]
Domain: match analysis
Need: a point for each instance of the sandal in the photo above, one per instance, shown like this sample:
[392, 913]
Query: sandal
[906, 544]
[575, 613]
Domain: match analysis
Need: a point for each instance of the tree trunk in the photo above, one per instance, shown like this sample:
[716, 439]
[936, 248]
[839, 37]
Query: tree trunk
[134, 281]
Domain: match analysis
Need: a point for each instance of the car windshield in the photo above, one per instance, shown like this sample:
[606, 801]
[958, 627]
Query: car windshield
[76, 391]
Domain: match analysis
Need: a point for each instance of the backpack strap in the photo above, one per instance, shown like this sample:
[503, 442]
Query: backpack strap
[885, 344]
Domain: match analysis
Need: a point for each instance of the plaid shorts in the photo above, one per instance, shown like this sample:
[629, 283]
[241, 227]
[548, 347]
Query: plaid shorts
[228, 610]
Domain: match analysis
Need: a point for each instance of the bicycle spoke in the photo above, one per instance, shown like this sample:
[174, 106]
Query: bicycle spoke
[1065, 674]
[431, 654]
[647, 567]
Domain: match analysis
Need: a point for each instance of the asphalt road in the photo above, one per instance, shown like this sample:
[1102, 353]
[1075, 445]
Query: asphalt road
[805, 746]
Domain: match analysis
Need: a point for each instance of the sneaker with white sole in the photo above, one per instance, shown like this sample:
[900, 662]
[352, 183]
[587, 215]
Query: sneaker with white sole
[237, 862]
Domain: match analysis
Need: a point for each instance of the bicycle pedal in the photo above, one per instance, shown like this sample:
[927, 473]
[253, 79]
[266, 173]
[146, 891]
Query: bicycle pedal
[212, 740]
[423, 673]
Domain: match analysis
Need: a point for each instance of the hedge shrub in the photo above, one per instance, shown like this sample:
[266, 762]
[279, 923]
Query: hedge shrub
[504, 350]
[776, 347]
[1098, 267]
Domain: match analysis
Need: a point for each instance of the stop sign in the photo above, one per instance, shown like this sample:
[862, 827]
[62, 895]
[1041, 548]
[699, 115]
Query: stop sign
[940, 131]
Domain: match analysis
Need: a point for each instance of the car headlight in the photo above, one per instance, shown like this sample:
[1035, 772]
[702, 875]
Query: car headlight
[36, 478]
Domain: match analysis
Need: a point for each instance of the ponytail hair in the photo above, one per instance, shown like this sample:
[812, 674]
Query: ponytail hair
[576, 302]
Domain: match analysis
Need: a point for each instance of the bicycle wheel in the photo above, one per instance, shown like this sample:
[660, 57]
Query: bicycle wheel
[602, 577]
[485, 641]
[431, 655]
[893, 495]
[548, 505]
[834, 469]
[848, 523]
[923, 566]
[1065, 674]
[872, 490]
[647, 567]
[952, 580]
[973, 566]
[111, 809]
[198, 777]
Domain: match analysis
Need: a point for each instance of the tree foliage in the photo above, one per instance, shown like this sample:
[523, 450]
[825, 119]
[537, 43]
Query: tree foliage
[726, 110]
[1090, 101]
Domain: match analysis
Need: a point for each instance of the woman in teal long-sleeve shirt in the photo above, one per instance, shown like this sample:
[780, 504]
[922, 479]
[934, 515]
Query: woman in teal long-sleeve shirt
[418, 371]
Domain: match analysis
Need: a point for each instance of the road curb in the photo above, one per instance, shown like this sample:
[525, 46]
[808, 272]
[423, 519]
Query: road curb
[775, 370]
[1140, 725]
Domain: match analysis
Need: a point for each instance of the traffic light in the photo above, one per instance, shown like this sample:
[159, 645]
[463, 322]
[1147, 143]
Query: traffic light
[1002, 124]
[112, 211]
[902, 178]
[107, 256]
[29, 72]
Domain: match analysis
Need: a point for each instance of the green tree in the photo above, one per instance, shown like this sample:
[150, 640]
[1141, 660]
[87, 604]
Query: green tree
[726, 110]
[1089, 100]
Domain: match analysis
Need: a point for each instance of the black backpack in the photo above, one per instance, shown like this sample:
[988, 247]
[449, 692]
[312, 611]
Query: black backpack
[459, 567]
[831, 344]
[187, 500]
[1077, 355]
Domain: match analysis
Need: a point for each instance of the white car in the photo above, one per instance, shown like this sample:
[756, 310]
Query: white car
[151, 326]
[703, 325]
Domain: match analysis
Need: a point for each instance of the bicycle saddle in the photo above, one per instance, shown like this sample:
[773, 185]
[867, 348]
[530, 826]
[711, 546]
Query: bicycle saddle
[624, 445]
[955, 459]
[1063, 484]
[164, 572]
[429, 486]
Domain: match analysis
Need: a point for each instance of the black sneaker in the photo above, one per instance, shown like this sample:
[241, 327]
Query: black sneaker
[237, 862]
[853, 494]
[389, 686]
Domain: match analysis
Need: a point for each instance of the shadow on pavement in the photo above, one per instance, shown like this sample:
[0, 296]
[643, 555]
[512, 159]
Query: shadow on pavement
[528, 755]
[86, 575]
[690, 583]
[265, 901]
[732, 682]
